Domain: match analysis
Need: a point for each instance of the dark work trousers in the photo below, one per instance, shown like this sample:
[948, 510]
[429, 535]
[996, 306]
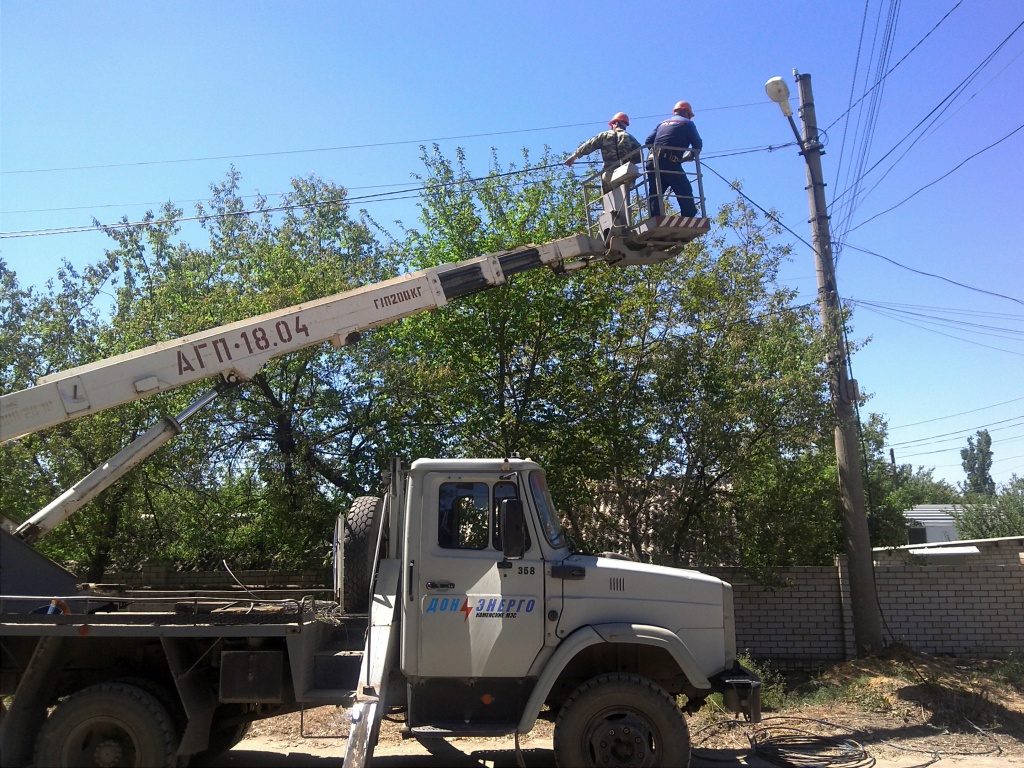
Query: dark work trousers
[672, 177]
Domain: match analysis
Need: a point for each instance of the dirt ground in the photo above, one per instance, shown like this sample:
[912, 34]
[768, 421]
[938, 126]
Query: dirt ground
[903, 711]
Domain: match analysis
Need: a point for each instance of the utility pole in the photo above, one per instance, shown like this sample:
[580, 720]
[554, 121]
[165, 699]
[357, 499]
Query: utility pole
[867, 620]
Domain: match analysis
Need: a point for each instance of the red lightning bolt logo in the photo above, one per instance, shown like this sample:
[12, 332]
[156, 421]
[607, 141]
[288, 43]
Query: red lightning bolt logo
[466, 609]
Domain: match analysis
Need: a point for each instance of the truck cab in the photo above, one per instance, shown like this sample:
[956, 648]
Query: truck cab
[500, 621]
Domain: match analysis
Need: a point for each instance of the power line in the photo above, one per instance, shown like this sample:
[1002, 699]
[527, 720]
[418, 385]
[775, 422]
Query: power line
[870, 123]
[934, 126]
[962, 432]
[768, 214]
[949, 310]
[894, 66]
[373, 145]
[936, 181]
[937, 277]
[939, 108]
[948, 335]
[394, 195]
[275, 208]
[891, 310]
[712, 155]
[954, 415]
[734, 187]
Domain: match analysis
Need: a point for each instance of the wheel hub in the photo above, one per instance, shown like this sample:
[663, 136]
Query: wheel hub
[108, 754]
[622, 741]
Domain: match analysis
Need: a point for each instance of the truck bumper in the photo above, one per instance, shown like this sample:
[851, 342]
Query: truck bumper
[741, 692]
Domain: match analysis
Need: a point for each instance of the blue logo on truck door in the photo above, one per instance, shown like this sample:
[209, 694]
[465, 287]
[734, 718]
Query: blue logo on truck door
[481, 607]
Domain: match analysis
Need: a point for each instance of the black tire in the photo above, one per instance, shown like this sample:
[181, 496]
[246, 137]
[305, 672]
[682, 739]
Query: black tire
[162, 692]
[621, 720]
[111, 724]
[362, 524]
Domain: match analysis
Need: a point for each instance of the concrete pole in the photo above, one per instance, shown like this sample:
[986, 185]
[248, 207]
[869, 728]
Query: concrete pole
[867, 620]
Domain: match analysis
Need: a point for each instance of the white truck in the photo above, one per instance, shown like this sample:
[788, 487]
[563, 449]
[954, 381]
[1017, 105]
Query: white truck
[458, 599]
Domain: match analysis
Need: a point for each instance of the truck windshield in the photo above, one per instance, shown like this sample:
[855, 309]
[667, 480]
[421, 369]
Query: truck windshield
[546, 508]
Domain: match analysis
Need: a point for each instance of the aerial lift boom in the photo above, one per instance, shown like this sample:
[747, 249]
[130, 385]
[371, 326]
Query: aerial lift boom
[235, 352]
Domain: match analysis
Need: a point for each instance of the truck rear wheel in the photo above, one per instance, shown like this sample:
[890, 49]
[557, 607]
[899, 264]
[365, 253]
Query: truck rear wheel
[621, 720]
[362, 523]
[111, 724]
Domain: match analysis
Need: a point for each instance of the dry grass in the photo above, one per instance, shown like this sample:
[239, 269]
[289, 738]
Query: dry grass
[895, 704]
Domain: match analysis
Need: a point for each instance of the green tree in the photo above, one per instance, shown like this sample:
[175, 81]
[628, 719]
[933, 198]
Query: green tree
[893, 489]
[977, 463]
[257, 477]
[987, 517]
[658, 398]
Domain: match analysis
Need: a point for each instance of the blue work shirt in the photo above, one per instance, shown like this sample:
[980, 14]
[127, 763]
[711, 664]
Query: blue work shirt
[675, 132]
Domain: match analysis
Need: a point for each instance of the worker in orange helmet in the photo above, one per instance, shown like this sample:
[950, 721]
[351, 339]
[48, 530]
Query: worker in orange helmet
[616, 145]
[674, 141]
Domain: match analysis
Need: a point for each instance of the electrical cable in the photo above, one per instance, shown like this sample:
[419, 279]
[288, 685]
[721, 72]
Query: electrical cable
[939, 108]
[953, 415]
[937, 277]
[713, 155]
[894, 66]
[1001, 332]
[935, 125]
[947, 335]
[373, 145]
[391, 196]
[778, 741]
[853, 85]
[961, 433]
[936, 181]
[775, 219]
[275, 209]
[844, 214]
[768, 214]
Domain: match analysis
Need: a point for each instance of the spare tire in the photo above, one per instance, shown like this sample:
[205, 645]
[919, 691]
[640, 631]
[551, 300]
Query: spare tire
[361, 527]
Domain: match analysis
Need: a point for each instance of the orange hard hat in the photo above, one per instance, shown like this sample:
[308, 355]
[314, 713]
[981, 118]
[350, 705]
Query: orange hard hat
[620, 117]
[683, 106]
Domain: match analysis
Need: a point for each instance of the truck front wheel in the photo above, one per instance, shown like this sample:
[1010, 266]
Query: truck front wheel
[111, 724]
[621, 720]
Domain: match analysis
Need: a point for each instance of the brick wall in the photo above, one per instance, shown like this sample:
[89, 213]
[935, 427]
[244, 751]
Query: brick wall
[963, 604]
[805, 620]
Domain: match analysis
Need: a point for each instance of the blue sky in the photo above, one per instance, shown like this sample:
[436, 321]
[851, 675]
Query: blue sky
[109, 108]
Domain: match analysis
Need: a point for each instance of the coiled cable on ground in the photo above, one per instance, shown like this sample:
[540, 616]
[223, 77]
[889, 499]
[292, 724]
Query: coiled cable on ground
[790, 747]
[786, 746]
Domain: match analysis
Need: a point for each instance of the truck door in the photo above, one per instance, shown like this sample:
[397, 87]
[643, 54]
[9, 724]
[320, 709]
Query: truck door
[480, 615]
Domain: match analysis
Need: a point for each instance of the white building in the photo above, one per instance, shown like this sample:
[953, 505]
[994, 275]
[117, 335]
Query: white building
[931, 523]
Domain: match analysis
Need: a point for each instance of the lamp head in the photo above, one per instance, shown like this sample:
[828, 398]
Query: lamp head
[778, 92]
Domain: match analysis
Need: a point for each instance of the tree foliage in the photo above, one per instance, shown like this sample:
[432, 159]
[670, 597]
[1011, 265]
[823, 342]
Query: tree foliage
[977, 463]
[681, 409]
[984, 516]
[258, 476]
[666, 401]
[893, 489]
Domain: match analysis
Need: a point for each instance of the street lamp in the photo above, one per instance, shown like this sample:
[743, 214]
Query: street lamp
[778, 92]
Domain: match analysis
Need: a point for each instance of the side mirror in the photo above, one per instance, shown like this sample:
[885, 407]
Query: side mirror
[513, 529]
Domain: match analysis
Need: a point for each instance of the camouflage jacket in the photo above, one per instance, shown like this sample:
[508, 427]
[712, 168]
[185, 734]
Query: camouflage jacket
[617, 147]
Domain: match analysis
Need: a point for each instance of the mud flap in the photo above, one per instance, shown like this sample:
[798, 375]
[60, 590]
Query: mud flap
[741, 692]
